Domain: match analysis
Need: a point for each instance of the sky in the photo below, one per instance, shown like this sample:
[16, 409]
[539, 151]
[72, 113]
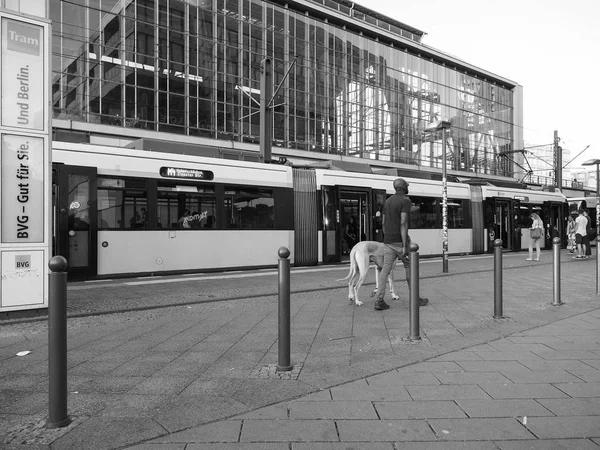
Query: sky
[551, 48]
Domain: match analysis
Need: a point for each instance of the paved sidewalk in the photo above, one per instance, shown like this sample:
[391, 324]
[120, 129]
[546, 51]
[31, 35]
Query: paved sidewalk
[200, 375]
[537, 389]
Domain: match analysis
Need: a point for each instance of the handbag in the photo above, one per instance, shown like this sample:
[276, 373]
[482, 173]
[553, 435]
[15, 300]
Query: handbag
[536, 233]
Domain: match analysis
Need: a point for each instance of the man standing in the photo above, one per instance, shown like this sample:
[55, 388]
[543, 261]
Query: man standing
[580, 233]
[396, 216]
[588, 234]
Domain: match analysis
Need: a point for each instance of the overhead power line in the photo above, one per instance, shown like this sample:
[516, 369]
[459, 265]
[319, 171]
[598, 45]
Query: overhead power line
[587, 146]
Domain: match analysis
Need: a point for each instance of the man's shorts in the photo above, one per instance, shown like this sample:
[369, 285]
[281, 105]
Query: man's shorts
[578, 238]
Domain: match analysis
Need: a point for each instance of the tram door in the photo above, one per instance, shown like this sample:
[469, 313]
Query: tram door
[75, 230]
[354, 219]
[503, 223]
[343, 208]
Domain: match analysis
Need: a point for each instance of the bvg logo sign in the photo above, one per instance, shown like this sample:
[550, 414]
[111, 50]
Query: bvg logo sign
[23, 261]
[23, 38]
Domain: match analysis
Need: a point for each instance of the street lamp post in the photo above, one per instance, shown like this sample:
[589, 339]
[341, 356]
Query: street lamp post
[596, 162]
[435, 126]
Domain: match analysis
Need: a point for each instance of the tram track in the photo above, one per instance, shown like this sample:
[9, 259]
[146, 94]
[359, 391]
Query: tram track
[89, 299]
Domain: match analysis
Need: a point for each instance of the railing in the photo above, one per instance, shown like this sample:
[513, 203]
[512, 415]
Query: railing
[549, 181]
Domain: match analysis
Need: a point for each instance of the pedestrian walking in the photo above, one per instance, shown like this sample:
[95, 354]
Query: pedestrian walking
[396, 216]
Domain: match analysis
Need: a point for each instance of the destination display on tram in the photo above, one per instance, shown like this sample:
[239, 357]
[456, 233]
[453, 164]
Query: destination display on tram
[194, 174]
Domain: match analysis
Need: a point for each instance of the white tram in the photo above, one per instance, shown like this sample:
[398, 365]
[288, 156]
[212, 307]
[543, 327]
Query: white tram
[122, 212]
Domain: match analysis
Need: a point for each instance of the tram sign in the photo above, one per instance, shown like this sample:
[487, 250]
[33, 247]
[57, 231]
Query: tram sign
[194, 174]
[23, 75]
[22, 161]
[25, 156]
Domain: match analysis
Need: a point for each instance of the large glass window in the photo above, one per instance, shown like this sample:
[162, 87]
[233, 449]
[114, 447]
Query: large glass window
[187, 207]
[456, 214]
[423, 213]
[195, 71]
[426, 213]
[249, 208]
[122, 203]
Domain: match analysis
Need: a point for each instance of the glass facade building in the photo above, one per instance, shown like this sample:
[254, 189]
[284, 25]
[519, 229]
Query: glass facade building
[347, 81]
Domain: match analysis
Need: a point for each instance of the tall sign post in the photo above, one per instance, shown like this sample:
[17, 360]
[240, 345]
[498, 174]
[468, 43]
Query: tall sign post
[25, 156]
[435, 126]
[266, 114]
[558, 165]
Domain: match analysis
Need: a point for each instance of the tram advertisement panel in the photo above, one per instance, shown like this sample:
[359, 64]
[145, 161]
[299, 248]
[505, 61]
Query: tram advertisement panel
[22, 160]
[22, 75]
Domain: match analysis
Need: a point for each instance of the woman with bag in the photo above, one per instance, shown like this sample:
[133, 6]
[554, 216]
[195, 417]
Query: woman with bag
[536, 231]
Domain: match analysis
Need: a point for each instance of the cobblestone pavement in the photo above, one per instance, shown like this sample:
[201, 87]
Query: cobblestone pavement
[178, 368]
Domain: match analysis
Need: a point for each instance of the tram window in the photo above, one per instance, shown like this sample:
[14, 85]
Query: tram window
[423, 213]
[426, 213]
[522, 219]
[330, 210]
[249, 208]
[109, 209]
[186, 207]
[456, 214]
[122, 203]
[573, 207]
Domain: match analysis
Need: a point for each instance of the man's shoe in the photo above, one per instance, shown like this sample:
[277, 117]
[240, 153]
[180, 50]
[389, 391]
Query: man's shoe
[423, 301]
[380, 305]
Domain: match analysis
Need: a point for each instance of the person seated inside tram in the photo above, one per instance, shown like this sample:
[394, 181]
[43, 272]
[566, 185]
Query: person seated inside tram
[134, 219]
[210, 222]
[351, 233]
[143, 218]
[139, 220]
[194, 220]
[185, 220]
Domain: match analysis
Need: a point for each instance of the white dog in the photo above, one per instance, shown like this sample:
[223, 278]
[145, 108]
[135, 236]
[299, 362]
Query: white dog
[360, 256]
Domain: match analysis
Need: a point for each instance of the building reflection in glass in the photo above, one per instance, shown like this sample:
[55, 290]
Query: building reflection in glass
[193, 68]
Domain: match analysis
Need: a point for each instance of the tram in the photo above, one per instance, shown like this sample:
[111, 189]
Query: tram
[123, 212]
[477, 213]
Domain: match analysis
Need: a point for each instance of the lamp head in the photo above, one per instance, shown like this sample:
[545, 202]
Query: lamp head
[591, 162]
[437, 125]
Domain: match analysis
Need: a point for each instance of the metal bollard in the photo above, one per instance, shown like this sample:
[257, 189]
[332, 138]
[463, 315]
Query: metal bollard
[556, 253]
[414, 292]
[498, 279]
[284, 363]
[57, 344]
